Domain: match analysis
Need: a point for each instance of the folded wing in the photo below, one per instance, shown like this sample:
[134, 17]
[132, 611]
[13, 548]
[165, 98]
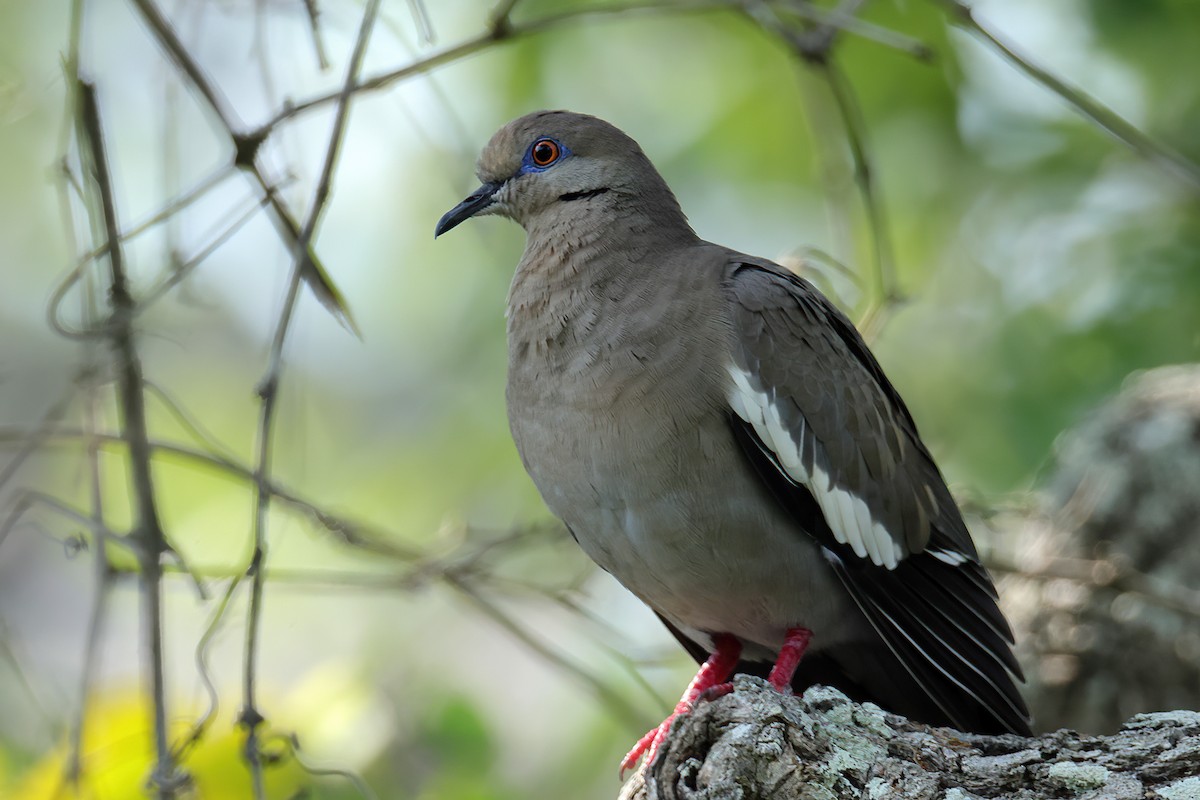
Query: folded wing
[831, 438]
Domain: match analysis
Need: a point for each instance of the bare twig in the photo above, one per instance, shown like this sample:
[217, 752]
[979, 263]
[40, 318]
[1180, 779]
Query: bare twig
[201, 725]
[250, 717]
[165, 34]
[178, 203]
[73, 276]
[424, 569]
[314, 29]
[1167, 158]
[886, 294]
[245, 147]
[223, 231]
[635, 717]
[501, 28]
[101, 576]
[505, 33]
[192, 426]
[354, 534]
[15, 661]
[36, 437]
[421, 20]
[292, 745]
[27, 499]
[840, 19]
[165, 778]
[500, 18]
[815, 47]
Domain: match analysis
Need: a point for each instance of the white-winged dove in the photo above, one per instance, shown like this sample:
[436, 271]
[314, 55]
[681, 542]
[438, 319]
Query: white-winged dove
[717, 435]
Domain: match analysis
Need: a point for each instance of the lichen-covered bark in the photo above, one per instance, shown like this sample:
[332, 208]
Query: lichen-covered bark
[758, 743]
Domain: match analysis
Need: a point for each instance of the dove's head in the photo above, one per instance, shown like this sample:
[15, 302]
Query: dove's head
[553, 167]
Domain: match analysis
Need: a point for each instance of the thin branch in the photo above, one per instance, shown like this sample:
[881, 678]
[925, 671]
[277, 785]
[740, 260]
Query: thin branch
[292, 744]
[839, 19]
[635, 717]
[102, 573]
[886, 293]
[340, 580]
[73, 766]
[36, 437]
[224, 230]
[501, 28]
[424, 25]
[1166, 157]
[250, 718]
[165, 34]
[192, 426]
[28, 499]
[178, 203]
[73, 276]
[815, 48]
[102, 583]
[201, 726]
[500, 18]
[10, 655]
[378, 542]
[314, 30]
[165, 777]
[245, 147]
[352, 533]
[504, 33]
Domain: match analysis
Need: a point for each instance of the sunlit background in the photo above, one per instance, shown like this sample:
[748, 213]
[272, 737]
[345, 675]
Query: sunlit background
[1039, 261]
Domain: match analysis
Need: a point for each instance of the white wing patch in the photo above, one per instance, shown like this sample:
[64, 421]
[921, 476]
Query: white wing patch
[950, 557]
[847, 514]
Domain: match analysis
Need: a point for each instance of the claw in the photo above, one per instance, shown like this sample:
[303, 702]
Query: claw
[711, 682]
[713, 672]
[647, 745]
[714, 692]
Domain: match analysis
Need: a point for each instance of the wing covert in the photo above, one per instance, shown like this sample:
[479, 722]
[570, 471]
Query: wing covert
[802, 378]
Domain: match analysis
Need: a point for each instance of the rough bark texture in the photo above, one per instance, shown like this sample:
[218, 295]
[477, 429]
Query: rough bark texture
[758, 743]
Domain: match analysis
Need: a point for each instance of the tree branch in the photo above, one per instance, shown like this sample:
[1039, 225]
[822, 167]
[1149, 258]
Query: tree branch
[1170, 160]
[165, 777]
[758, 743]
[250, 718]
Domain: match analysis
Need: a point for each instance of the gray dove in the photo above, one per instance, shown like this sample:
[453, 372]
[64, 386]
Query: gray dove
[716, 434]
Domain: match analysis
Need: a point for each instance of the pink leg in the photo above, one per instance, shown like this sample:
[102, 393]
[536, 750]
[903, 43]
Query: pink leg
[795, 642]
[716, 670]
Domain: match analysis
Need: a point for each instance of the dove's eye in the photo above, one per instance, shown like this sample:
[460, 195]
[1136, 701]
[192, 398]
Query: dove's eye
[544, 152]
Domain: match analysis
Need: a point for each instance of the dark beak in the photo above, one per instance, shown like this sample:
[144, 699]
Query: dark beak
[476, 201]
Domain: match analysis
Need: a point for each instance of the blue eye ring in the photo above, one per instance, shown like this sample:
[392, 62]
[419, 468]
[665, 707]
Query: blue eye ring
[544, 153]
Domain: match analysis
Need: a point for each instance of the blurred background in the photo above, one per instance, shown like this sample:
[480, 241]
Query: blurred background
[423, 625]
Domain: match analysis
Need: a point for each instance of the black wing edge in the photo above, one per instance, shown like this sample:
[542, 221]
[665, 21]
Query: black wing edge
[940, 621]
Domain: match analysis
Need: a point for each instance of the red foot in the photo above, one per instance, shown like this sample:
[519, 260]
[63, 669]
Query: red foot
[710, 683]
[713, 672]
[795, 642]
[713, 692]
